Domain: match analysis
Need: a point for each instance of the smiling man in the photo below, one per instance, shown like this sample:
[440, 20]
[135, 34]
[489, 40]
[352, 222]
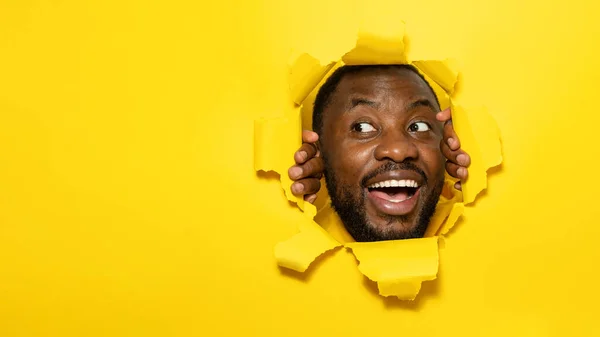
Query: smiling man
[383, 145]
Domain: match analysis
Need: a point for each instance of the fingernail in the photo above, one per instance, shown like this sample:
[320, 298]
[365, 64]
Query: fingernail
[462, 159]
[295, 171]
[457, 185]
[297, 188]
[462, 172]
[451, 142]
[303, 155]
[311, 198]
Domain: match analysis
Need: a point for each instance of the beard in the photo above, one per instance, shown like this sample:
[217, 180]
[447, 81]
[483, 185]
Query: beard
[350, 206]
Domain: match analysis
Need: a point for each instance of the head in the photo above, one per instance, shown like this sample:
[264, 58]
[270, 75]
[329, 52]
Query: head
[380, 141]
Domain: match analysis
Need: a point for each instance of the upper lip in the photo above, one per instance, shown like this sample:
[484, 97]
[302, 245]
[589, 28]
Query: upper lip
[396, 175]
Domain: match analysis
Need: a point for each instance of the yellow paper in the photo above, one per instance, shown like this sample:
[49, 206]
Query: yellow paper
[479, 138]
[486, 132]
[456, 211]
[398, 267]
[275, 141]
[443, 73]
[303, 248]
[441, 76]
[447, 212]
[379, 42]
[129, 204]
[305, 73]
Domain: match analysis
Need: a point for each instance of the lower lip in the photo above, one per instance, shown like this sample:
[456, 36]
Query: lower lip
[394, 208]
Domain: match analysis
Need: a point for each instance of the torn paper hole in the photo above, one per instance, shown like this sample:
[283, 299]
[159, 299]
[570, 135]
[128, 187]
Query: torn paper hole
[398, 267]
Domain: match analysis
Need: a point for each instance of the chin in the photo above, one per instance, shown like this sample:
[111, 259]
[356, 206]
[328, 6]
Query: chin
[389, 227]
[398, 234]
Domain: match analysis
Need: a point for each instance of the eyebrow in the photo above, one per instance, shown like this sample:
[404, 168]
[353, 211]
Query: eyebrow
[362, 101]
[420, 103]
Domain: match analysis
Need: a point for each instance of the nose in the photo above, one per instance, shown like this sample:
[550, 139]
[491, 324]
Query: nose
[397, 146]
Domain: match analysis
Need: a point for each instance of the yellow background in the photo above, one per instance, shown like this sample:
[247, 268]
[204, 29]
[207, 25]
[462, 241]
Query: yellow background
[129, 205]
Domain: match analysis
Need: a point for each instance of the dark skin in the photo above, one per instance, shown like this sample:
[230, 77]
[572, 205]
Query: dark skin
[308, 171]
[376, 117]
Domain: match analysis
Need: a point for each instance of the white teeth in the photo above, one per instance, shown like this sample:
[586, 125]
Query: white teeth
[395, 183]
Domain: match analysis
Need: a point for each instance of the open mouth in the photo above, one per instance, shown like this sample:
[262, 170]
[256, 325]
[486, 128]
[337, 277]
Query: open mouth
[394, 191]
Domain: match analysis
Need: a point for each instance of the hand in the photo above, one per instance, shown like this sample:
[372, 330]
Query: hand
[457, 159]
[309, 168]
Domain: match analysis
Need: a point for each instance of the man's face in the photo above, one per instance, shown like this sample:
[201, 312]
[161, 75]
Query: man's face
[381, 145]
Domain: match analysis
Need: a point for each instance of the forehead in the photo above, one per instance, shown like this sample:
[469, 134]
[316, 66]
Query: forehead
[398, 83]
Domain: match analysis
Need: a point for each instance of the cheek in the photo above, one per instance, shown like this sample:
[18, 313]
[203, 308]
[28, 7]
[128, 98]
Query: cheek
[433, 160]
[348, 163]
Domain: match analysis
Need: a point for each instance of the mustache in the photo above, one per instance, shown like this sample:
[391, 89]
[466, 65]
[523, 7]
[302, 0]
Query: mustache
[393, 166]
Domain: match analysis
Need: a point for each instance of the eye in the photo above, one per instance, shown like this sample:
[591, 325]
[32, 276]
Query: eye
[363, 127]
[419, 127]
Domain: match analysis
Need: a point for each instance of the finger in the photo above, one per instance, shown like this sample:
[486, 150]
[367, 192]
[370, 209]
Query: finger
[452, 169]
[309, 136]
[306, 186]
[458, 186]
[458, 157]
[312, 168]
[448, 153]
[444, 116]
[306, 152]
[463, 159]
[450, 136]
[310, 198]
[456, 171]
